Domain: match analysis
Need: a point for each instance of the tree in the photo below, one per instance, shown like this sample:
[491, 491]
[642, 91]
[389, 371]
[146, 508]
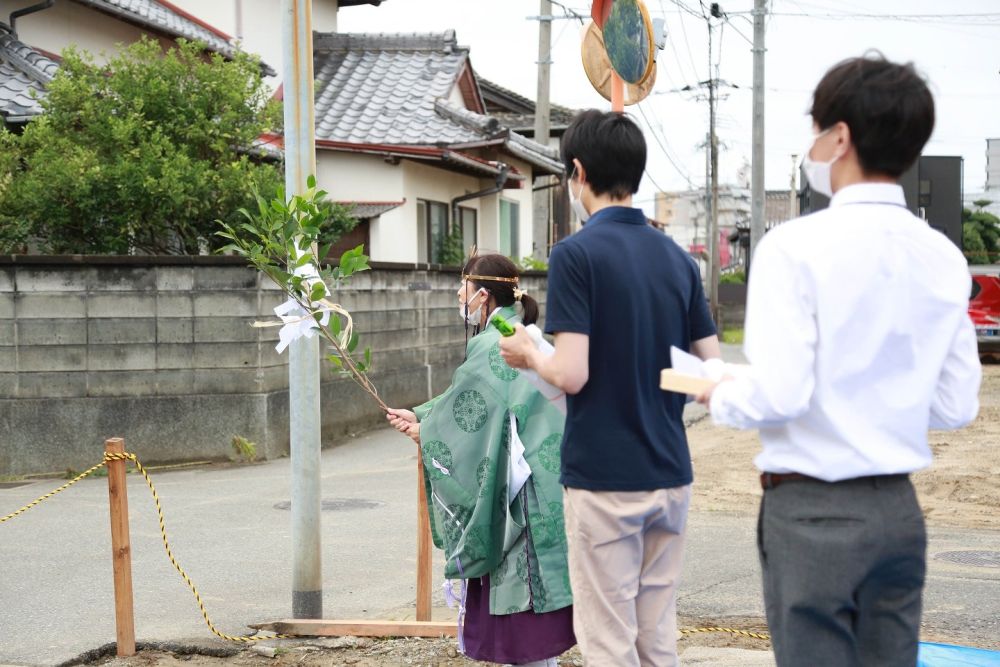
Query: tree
[982, 203]
[980, 236]
[283, 239]
[142, 154]
[450, 249]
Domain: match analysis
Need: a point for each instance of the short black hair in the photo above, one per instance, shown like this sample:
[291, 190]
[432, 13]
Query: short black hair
[611, 148]
[887, 106]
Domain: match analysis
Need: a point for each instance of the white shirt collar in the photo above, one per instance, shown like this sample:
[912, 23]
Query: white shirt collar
[869, 193]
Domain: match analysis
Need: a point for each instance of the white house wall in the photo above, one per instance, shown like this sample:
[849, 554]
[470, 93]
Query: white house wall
[258, 24]
[71, 24]
[524, 197]
[355, 177]
[455, 98]
[423, 181]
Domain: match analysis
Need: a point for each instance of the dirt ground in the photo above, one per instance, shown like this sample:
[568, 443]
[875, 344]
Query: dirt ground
[959, 490]
[364, 652]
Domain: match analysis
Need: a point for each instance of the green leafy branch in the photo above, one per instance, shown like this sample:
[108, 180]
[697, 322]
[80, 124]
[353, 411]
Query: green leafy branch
[285, 239]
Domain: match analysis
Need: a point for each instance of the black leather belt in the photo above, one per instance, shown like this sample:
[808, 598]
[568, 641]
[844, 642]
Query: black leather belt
[769, 480]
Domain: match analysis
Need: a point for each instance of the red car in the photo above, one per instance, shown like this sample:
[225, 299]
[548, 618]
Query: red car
[984, 306]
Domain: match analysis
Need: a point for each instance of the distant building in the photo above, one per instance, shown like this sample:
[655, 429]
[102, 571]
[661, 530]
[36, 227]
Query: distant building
[933, 190]
[991, 189]
[683, 217]
[993, 165]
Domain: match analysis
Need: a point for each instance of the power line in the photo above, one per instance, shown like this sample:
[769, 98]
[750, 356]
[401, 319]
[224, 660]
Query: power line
[738, 31]
[653, 181]
[673, 48]
[687, 44]
[664, 147]
[991, 17]
[681, 5]
[569, 11]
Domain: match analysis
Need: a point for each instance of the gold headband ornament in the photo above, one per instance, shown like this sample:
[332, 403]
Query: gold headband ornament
[498, 279]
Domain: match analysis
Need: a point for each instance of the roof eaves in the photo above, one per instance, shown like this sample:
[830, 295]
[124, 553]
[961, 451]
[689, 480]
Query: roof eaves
[517, 103]
[522, 150]
[370, 209]
[189, 27]
[478, 165]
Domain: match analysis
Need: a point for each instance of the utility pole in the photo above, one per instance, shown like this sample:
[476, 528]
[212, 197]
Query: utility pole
[303, 359]
[713, 227]
[540, 205]
[757, 172]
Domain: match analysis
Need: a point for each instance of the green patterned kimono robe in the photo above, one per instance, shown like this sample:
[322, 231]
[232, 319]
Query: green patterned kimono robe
[466, 439]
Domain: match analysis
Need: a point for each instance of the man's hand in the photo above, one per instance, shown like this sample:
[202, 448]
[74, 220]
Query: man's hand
[401, 420]
[414, 432]
[705, 397]
[517, 350]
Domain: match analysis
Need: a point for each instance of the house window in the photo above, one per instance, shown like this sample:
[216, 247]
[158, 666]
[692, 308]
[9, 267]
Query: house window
[510, 221]
[469, 224]
[432, 228]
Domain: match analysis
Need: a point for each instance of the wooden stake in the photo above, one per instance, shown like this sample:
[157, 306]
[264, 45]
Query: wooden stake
[424, 561]
[121, 550]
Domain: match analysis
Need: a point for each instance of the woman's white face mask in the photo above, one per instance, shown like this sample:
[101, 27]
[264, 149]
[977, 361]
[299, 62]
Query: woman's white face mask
[471, 309]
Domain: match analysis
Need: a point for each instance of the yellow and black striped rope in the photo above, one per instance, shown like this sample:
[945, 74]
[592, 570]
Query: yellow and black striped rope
[177, 566]
[732, 631]
[52, 493]
[128, 456]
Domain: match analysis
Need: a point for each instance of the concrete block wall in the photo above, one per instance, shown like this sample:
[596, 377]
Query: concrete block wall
[161, 351]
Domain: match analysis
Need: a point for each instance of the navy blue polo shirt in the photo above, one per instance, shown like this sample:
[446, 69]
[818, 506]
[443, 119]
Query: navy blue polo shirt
[635, 293]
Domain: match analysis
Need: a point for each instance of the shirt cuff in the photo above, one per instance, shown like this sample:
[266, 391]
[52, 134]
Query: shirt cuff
[720, 406]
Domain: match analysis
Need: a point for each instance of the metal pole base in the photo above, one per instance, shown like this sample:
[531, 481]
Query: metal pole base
[307, 604]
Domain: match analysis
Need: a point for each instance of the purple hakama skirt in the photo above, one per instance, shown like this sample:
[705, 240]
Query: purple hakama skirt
[513, 638]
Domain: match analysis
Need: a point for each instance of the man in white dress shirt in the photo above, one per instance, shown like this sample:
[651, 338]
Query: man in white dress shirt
[859, 341]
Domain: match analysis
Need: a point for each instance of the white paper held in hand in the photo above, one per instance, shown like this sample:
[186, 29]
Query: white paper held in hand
[555, 395]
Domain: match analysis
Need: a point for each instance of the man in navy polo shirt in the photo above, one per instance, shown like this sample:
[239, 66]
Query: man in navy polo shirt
[620, 294]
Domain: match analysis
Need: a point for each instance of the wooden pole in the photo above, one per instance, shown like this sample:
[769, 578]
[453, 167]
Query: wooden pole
[121, 550]
[617, 93]
[424, 562]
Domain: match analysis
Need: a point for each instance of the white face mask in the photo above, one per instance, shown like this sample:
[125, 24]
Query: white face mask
[474, 317]
[575, 202]
[819, 173]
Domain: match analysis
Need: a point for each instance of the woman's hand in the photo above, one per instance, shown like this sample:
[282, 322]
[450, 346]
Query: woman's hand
[401, 420]
[414, 432]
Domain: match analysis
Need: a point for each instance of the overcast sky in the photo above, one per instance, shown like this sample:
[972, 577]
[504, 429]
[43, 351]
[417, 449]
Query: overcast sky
[960, 55]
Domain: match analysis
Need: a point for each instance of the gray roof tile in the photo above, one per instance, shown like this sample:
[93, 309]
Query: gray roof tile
[394, 89]
[154, 15]
[23, 75]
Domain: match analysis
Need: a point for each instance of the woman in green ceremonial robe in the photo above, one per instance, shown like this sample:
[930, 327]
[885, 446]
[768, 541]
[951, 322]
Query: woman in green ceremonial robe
[490, 448]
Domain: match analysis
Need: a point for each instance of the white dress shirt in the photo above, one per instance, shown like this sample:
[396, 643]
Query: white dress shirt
[858, 338]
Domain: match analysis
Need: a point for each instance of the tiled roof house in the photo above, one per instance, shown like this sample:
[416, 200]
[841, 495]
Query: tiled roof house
[27, 49]
[401, 118]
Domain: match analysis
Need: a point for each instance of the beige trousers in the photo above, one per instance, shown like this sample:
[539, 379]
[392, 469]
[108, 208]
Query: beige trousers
[625, 551]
